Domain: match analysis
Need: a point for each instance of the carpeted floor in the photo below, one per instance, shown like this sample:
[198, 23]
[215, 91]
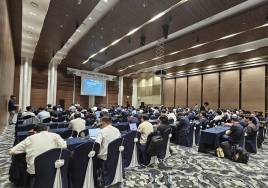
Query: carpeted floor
[185, 168]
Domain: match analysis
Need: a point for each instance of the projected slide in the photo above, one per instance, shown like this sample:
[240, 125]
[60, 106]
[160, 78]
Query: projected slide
[93, 87]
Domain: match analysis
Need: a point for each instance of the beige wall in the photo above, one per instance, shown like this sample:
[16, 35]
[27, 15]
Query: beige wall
[229, 91]
[7, 63]
[253, 89]
[181, 92]
[149, 89]
[169, 93]
[211, 90]
[194, 90]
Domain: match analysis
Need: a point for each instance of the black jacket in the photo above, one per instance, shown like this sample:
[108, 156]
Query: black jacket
[55, 114]
[202, 108]
[163, 127]
[183, 127]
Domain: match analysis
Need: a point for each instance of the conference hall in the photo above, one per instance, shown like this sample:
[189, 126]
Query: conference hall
[133, 93]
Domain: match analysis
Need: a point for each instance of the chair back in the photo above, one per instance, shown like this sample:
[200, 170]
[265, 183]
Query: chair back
[68, 133]
[84, 131]
[143, 155]
[110, 165]
[60, 119]
[27, 117]
[28, 127]
[198, 132]
[130, 145]
[45, 168]
[241, 141]
[49, 119]
[90, 122]
[251, 145]
[80, 161]
[56, 126]
[115, 120]
[191, 135]
[153, 117]
[165, 136]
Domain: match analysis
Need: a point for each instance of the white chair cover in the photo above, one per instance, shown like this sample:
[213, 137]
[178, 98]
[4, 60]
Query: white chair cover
[59, 163]
[168, 145]
[134, 161]
[194, 136]
[154, 160]
[118, 177]
[89, 181]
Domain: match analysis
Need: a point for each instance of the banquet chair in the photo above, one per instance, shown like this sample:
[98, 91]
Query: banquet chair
[68, 133]
[48, 120]
[84, 131]
[60, 119]
[113, 168]
[241, 141]
[204, 125]
[165, 153]
[198, 132]
[83, 169]
[45, 170]
[90, 122]
[131, 157]
[153, 117]
[27, 117]
[28, 127]
[56, 126]
[192, 134]
[184, 140]
[251, 145]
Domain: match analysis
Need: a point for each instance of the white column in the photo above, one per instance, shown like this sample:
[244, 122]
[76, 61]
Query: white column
[91, 101]
[25, 81]
[135, 93]
[120, 93]
[52, 83]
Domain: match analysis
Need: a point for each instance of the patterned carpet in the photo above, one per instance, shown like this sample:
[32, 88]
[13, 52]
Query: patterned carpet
[185, 168]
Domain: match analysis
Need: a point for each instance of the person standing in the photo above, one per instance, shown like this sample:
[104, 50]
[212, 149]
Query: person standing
[196, 108]
[12, 107]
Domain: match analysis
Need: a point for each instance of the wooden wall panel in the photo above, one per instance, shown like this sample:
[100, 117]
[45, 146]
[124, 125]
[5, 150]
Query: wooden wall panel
[127, 90]
[113, 88]
[39, 85]
[229, 89]
[7, 63]
[181, 92]
[211, 90]
[194, 90]
[169, 93]
[253, 89]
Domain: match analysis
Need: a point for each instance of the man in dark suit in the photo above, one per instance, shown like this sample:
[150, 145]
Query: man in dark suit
[183, 126]
[138, 114]
[164, 125]
[55, 113]
[203, 107]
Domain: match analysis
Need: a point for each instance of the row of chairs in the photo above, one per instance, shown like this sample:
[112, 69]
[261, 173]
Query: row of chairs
[84, 171]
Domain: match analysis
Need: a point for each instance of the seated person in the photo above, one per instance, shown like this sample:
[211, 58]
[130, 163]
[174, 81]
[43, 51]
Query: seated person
[218, 116]
[59, 108]
[129, 109]
[42, 114]
[112, 109]
[202, 116]
[134, 111]
[261, 120]
[78, 124]
[163, 112]
[241, 120]
[233, 113]
[105, 136]
[163, 124]
[55, 113]
[145, 128]
[132, 119]
[251, 128]
[191, 115]
[235, 132]
[89, 115]
[125, 112]
[29, 112]
[98, 122]
[171, 115]
[225, 115]
[118, 109]
[104, 109]
[37, 144]
[79, 110]
[138, 114]
[255, 120]
[183, 126]
[156, 110]
[49, 108]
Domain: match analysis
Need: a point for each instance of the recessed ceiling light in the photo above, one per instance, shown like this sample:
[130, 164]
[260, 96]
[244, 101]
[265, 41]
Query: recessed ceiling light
[228, 36]
[30, 27]
[157, 16]
[70, 40]
[35, 5]
[101, 28]
[133, 31]
[61, 25]
[90, 18]
[78, 30]
[83, 24]
[92, 36]
[32, 14]
[29, 37]
[67, 15]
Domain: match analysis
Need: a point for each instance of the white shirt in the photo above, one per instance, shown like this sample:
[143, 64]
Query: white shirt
[145, 129]
[28, 113]
[104, 137]
[217, 118]
[78, 124]
[94, 108]
[172, 116]
[72, 116]
[104, 110]
[43, 115]
[37, 144]
[72, 108]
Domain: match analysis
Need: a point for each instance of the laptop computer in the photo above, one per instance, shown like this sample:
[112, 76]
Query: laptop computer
[93, 133]
[133, 126]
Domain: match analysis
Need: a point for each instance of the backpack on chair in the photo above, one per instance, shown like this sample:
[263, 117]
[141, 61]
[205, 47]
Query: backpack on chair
[156, 144]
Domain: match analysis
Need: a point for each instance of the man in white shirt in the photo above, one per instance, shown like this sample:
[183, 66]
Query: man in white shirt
[37, 144]
[218, 117]
[42, 114]
[145, 128]
[104, 109]
[77, 124]
[79, 110]
[72, 108]
[105, 136]
[171, 115]
[94, 108]
[196, 108]
[29, 112]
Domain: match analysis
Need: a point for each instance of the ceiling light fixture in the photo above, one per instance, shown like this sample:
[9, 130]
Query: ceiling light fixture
[78, 30]
[30, 27]
[133, 31]
[90, 18]
[70, 40]
[115, 42]
[229, 36]
[29, 37]
[157, 16]
[102, 49]
[174, 52]
[197, 45]
[32, 13]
